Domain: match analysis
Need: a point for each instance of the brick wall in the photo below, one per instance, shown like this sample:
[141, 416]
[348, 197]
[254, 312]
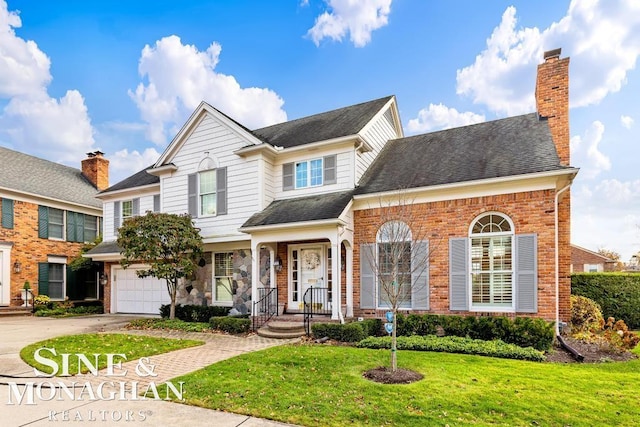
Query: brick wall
[28, 249]
[531, 212]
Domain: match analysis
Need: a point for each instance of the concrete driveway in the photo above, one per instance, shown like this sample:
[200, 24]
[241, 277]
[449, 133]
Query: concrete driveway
[79, 409]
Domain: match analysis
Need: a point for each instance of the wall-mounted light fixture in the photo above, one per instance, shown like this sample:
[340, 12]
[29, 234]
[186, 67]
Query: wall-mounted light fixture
[17, 267]
[103, 279]
[277, 263]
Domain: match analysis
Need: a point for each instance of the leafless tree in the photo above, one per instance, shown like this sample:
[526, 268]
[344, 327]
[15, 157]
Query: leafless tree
[399, 260]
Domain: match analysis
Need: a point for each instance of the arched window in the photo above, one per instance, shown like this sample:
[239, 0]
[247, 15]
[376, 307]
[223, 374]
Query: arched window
[492, 281]
[394, 264]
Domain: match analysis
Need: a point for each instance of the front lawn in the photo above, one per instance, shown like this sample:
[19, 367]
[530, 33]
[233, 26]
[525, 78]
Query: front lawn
[132, 346]
[323, 386]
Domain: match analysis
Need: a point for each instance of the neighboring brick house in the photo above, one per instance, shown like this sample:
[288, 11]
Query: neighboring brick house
[584, 260]
[297, 205]
[48, 211]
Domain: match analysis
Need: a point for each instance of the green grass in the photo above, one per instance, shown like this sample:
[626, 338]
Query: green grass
[132, 346]
[323, 386]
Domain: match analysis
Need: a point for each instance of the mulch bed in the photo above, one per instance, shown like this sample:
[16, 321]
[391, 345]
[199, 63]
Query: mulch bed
[385, 375]
[592, 352]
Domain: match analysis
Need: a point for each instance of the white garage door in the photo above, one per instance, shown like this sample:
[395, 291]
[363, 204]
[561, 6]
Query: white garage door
[136, 295]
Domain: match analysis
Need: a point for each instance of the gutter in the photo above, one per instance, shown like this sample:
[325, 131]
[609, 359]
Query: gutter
[557, 258]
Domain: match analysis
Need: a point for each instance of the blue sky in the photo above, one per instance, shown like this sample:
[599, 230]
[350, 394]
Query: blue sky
[123, 76]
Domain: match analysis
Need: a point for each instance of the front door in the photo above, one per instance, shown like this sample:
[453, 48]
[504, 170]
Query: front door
[308, 268]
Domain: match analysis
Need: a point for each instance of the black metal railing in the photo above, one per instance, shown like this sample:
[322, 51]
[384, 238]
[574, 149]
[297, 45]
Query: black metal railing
[265, 307]
[316, 301]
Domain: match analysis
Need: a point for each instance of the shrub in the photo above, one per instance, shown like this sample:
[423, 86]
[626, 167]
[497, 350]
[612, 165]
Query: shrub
[175, 324]
[194, 313]
[348, 332]
[371, 327]
[586, 315]
[619, 335]
[231, 324]
[495, 348]
[618, 294]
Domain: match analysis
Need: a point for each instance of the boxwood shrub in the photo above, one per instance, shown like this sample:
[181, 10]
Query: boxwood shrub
[231, 324]
[618, 294]
[494, 348]
[348, 332]
[194, 313]
[522, 331]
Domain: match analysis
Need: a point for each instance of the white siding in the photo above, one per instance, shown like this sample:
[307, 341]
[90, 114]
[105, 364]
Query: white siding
[107, 222]
[344, 173]
[242, 177]
[376, 136]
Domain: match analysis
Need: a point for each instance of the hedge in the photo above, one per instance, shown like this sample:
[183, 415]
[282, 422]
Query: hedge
[231, 324]
[494, 348]
[618, 294]
[194, 313]
[521, 331]
[348, 332]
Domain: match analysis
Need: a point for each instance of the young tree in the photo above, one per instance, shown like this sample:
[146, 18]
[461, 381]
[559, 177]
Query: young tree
[613, 256]
[399, 260]
[169, 244]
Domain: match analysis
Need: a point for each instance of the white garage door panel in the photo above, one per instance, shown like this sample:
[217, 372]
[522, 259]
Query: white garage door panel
[136, 295]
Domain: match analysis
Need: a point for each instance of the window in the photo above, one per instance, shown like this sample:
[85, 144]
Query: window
[223, 277]
[309, 173]
[90, 228]
[81, 228]
[7, 213]
[51, 278]
[491, 262]
[207, 193]
[394, 264]
[124, 209]
[127, 209]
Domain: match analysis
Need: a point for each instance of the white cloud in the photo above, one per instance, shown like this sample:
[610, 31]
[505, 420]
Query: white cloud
[598, 209]
[601, 37]
[124, 163]
[32, 121]
[358, 18]
[179, 77]
[440, 117]
[626, 121]
[586, 154]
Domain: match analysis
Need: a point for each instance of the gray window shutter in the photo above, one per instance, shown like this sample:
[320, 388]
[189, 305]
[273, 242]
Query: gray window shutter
[526, 271]
[367, 276]
[156, 203]
[71, 227]
[420, 275]
[287, 177]
[116, 217]
[43, 278]
[192, 194]
[458, 273]
[43, 222]
[329, 163]
[135, 207]
[80, 228]
[7, 213]
[221, 191]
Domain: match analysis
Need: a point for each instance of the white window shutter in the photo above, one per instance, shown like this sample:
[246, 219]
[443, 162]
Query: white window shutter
[367, 276]
[459, 274]
[526, 272]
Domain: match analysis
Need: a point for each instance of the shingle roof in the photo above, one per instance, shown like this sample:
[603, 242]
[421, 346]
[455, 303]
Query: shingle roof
[302, 209]
[24, 173]
[138, 179]
[320, 127]
[512, 146]
[104, 248]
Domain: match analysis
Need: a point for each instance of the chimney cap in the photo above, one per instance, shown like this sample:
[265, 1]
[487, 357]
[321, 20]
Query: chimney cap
[96, 153]
[554, 53]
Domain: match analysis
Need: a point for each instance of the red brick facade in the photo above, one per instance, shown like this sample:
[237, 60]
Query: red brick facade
[28, 249]
[96, 169]
[531, 212]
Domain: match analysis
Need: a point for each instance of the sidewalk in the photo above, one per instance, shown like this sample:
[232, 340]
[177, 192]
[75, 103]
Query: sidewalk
[80, 410]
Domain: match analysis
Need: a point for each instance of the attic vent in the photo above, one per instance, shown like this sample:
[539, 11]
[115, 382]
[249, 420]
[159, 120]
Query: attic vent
[388, 116]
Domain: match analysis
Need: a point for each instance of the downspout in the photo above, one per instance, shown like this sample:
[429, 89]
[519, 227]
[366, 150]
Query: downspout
[557, 260]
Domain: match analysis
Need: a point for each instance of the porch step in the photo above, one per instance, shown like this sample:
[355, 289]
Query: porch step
[15, 310]
[282, 330]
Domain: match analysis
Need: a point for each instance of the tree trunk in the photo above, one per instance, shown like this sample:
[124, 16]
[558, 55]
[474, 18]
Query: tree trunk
[172, 292]
[394, 339]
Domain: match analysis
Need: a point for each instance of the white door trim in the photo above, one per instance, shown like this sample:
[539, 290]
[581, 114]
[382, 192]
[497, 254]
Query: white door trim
[5, 273]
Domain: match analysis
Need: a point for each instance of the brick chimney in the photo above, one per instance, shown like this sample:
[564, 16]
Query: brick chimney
[552, 100]
[96, 169]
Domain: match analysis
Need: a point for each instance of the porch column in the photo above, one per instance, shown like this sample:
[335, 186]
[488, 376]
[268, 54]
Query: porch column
[336, 285]
[255, 273]
[349, 275]
[272, 269]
